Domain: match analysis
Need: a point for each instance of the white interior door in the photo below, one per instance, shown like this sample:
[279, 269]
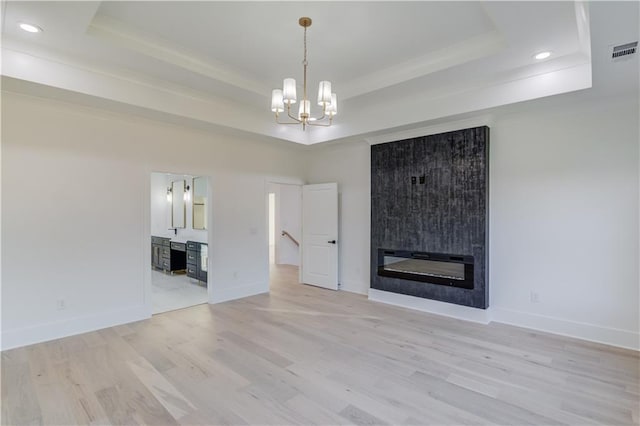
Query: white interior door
[320, 235]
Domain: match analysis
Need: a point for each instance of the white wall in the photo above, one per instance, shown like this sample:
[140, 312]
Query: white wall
[564, 219]
[349, 165]
[563, 215]
[75, 213]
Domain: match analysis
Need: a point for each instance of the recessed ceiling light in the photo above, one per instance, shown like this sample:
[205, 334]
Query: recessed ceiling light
[30, 28]
[542, 55]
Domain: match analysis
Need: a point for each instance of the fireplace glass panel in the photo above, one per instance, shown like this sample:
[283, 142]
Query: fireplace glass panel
[432, 268]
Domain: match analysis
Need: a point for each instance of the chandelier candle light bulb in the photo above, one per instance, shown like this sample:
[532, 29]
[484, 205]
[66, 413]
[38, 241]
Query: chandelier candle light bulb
[287, 96]
[324, 93]
[289, 90]
[305, 108]
[332, 108]
[277, 101]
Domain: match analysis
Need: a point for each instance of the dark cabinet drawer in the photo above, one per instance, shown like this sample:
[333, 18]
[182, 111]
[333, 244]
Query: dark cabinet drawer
[160, 240]
[165, 251]
[178, 246]
[192, 257]
[191, 245]
[192, 272]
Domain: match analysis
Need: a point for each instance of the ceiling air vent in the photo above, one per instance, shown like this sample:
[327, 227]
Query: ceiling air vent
[624, 51]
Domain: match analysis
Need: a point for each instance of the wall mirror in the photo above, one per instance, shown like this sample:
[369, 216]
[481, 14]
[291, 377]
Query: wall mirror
[199, 200]
[178, 205]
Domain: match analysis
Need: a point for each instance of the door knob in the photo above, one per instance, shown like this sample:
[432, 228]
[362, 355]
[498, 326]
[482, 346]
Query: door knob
[332, 242]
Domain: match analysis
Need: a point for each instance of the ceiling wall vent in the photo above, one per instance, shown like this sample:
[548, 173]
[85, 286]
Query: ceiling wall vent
[624, 51]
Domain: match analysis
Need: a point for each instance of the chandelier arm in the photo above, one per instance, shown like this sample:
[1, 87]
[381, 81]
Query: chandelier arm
[296, 121]
[324, 115]
[315, 123]
[293, 118]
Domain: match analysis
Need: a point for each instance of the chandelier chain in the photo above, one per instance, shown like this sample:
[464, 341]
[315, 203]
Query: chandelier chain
[305, 63]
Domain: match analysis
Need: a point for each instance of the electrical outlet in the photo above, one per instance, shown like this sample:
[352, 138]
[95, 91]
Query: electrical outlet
[61, 304]
[535, 297]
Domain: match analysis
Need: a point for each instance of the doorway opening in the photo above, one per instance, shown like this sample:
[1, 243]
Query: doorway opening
[272, 228]
[179, 209]
[284, 207]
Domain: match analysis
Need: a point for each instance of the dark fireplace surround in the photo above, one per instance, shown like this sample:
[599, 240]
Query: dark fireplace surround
[429, 217]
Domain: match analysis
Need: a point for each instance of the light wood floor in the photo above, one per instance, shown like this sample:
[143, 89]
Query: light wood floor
[304, 355]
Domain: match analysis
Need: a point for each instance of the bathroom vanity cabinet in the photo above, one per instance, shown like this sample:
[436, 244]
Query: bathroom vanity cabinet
[167, 255]
[197, 256]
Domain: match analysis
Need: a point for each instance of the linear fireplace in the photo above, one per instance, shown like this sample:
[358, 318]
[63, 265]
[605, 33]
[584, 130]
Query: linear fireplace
[433, 268]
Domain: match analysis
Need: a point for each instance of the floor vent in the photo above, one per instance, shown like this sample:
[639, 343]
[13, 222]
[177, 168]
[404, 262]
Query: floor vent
[623, 51]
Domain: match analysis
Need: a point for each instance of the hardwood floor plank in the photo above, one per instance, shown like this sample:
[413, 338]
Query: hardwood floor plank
[19, 402]
[310, 409]
[358, 417]
[117, 409]
[54, 405]
[78, 384]
[491, 409]
[170, 398]
[422, 406]
[257, 349]
[151, 349]
[210, 395]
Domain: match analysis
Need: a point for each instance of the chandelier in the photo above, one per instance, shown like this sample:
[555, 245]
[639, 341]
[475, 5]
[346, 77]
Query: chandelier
[287, 96]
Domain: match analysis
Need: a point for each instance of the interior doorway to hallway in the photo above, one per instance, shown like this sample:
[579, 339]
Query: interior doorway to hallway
[272, 228]
[285, 225]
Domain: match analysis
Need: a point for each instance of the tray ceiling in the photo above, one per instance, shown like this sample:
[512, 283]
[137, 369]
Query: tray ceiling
[391, 63]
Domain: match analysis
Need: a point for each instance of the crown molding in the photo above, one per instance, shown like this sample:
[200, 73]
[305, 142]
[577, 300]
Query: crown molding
[117, 33]
[447, 57]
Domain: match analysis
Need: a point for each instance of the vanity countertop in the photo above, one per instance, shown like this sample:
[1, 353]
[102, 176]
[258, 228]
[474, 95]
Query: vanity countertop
[184, 240]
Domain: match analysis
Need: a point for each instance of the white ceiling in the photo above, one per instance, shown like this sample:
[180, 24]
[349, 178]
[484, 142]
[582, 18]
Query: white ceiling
[392, 64]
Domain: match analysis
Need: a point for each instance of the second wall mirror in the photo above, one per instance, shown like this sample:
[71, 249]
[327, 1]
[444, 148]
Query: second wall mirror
[199, 200]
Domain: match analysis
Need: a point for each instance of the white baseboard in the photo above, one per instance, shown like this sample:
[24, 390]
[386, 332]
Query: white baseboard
[354, 287]
[563, 327]
[231, 293]
[594, 333]
[68, 327]
[432, 306]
